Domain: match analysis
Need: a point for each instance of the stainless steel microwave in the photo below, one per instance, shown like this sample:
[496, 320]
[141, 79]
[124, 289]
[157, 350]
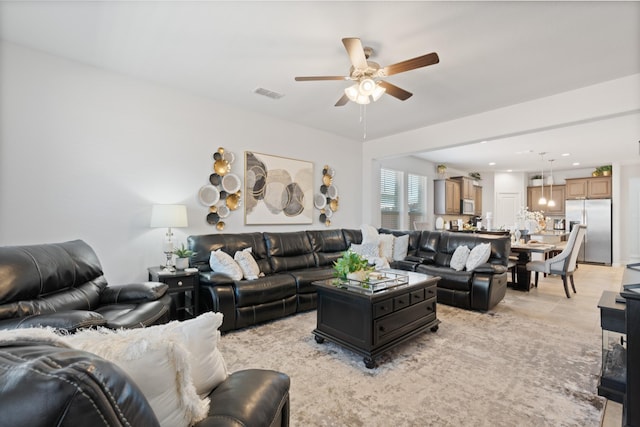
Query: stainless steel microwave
[468, 207]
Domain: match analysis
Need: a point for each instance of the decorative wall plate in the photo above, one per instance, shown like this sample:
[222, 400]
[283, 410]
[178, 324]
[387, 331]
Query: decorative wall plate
[231, 183]
[221, 167]
[214, 179]
[319, 201]
[332, 191]
[229, 156]
[233, 201]
[208, 195]
[223, 211]
[213, 218]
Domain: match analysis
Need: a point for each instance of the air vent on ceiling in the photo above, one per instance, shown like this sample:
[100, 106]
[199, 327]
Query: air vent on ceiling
[268, 93]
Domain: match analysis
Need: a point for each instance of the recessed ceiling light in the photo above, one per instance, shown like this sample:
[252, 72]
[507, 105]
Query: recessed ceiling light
[492, 164]
[566, 154]
[576, 163]
[483, 142]
[509, 170]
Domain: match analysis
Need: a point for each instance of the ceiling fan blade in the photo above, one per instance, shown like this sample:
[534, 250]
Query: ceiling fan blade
[356, 52]
[342, 101]
[313, 78]
[411, 64]
[395, 91]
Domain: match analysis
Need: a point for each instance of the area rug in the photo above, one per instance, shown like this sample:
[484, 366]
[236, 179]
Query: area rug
[478, 369]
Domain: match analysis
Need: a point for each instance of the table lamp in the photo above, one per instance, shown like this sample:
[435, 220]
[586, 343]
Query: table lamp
[168, 216]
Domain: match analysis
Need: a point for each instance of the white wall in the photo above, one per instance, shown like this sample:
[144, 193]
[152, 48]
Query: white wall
[84, 153]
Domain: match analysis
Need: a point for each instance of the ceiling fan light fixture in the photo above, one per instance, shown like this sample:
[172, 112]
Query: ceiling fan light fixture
[352, 92]
[366, 87]
[378, 92]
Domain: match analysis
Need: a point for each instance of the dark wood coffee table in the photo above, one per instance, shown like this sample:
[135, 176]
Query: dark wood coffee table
[371, 322]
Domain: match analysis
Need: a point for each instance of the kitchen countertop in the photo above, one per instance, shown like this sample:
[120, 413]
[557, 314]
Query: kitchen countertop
[551, 233]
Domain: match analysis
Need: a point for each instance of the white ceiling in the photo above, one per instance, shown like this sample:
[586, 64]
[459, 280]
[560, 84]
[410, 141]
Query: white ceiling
[492, 55]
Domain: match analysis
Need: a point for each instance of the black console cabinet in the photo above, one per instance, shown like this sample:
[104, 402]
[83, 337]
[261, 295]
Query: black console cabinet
[631, 411]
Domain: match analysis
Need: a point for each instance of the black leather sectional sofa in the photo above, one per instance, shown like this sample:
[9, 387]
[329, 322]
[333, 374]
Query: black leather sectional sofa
[291, 261]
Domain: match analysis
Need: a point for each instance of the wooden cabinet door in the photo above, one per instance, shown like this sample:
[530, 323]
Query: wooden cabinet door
[534, 193]
[559, 198]
[599, 188]
[576, 188]
[452, 197]
[478, 199]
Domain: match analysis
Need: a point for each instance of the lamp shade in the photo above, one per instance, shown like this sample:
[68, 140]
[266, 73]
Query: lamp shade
[169, 216]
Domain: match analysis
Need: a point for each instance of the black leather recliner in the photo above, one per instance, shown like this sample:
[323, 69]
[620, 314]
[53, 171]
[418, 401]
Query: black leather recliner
[82, 389]
[62, 285]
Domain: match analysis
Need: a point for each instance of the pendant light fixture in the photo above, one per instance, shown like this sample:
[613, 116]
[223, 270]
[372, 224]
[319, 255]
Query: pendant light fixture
[551, 203]
[542, 200]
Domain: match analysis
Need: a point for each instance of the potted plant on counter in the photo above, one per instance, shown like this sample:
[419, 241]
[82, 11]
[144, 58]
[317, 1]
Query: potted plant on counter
[442, 170]
[182, 257]
[536, 180]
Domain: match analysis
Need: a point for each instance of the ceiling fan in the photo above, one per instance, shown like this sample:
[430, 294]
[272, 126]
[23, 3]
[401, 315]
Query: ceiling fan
[367, 75]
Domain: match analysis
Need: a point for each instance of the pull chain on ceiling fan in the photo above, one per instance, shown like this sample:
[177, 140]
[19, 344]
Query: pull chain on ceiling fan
[367, 74]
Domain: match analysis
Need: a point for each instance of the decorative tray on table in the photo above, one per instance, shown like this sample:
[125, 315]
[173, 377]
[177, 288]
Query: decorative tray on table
[377, 281]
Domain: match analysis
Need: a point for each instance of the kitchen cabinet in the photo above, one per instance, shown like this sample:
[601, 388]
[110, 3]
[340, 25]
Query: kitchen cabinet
[467, 189]
[534, 193]
[598, 187]
[446, 197]
[478, 199]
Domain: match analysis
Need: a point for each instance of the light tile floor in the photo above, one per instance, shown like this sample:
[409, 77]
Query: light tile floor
[549, 302]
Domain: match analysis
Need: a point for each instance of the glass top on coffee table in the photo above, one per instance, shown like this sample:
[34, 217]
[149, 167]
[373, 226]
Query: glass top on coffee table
[377, 281]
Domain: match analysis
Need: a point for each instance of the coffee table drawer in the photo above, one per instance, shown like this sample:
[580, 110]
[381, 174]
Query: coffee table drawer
[430, 292]
[382, 308]
[417, 296]
[400, 322]
[401, 302]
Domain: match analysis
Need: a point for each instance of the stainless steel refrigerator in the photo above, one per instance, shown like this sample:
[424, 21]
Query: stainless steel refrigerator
[596, 214]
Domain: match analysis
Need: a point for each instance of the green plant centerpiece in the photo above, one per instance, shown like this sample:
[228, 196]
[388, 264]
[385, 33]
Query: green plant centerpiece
[352, 266]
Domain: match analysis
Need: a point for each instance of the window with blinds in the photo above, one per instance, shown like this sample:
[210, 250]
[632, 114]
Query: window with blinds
[416, 198]
[390, 198]
[402, 199]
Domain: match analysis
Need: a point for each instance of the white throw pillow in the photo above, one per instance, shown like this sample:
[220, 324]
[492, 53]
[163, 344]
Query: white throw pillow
[386, 246]
[478, 255]
[369, 234]
[158, 365]
[200, 336]
[221, 262]
[459, 258]
[400, 247]
[247, 263]
[367, 250]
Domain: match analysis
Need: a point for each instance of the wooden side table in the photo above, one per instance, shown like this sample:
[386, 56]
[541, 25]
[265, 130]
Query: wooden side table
[180, 284]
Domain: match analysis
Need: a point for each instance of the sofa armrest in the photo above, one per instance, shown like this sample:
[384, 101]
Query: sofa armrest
[251, 397]
[213, 278]
[490, 268]
[71, 321]
[134, 292]
[413, 258]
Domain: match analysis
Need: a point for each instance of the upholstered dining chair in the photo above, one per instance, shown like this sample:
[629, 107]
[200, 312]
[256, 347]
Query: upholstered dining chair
[563, 264]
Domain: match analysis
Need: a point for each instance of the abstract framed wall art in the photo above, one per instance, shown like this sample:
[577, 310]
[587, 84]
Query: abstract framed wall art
[278, 190]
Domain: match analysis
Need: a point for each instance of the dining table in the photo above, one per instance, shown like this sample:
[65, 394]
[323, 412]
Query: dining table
[524, 253]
